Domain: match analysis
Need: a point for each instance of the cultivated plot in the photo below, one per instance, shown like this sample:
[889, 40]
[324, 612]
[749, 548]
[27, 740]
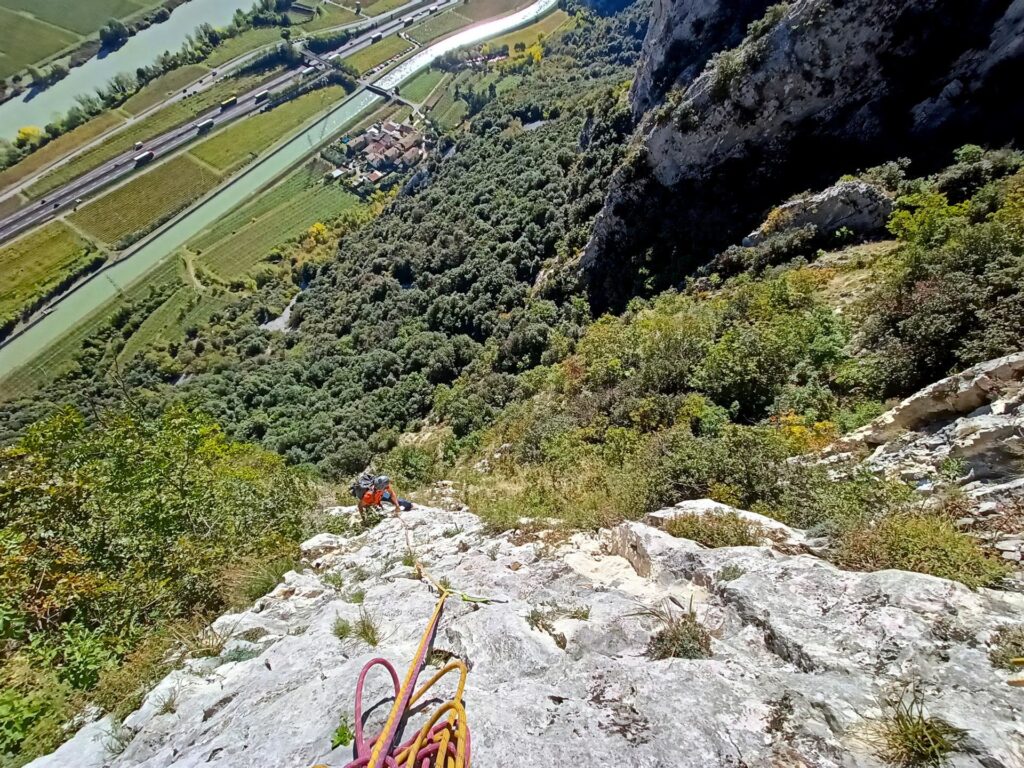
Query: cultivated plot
[378, 53]
[146, 200]
[36, 264]
[241, 143]
[25, 41]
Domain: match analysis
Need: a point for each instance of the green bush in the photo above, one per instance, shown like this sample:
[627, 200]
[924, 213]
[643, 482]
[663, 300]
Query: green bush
[681, 636]
[108, 531]
[922, 543]
[716, 530]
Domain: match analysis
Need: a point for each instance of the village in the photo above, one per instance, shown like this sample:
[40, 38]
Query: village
[366, 160]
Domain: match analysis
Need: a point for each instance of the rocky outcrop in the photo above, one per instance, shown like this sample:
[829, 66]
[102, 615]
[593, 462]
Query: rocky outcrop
[974, 418]
[816, 90]
[966, 430]
[682, 36]
[802, 656]
[861, 208]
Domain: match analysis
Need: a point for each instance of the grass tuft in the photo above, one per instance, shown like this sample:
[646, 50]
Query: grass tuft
[910, 738]
[366, 629]
[681, 636]
[342, 628]
[922, 543]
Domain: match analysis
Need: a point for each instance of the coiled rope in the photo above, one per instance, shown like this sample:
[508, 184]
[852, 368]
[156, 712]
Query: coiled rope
[443, 741]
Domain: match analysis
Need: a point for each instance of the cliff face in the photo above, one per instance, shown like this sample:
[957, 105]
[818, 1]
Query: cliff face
[815, 89]
[682, 36]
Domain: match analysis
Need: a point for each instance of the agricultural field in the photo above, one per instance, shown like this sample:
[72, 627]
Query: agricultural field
[382, 6]
[25, 41]
[83, 17]
[146, 200]
[167, 323]
[278, 215]
[438, 26]
[59, 147]
[329, 15]
[529, 35]
[11, 204]
[241, 143]
[249, 40]
[420, 87]
[166, 85]
[32, 31]
[36, 264]
[379, 52]
[153, 125]
[58, 358]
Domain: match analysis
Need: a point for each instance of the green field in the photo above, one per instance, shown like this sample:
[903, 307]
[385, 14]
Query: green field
[25, 41]
[377, 53]
[242, 142]
[37, 263]
[421, 86]
[382, 6]
[438, 26]
[153, 125]
[282, 212]
[166, 85]
[146, 200]
[330, 16]
[243, 43]
[83, 17]
[60, 147]
[186, 306]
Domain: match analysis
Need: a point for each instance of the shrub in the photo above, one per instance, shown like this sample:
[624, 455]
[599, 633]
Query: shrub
[716, 530]
[264, 577]
[681, 636]
[1007, 645]
[911, 738]
[922, 543]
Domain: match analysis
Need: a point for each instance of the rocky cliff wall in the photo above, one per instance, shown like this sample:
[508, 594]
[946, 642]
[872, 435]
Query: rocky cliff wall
[816, 89]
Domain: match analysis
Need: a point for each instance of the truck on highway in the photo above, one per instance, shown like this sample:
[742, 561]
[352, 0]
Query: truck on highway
[408, 22]
[229, 102]
[204, 126]
[377, 37]
[309, 70]
[143, 158]
[260, 96]
[138, 145]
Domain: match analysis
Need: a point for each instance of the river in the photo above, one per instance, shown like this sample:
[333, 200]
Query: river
[141, 50]
[108, 283]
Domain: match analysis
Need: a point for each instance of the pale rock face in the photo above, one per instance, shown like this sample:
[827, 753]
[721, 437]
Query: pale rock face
[828, 89]
[802, 655]
[975, 418]
[857, 206]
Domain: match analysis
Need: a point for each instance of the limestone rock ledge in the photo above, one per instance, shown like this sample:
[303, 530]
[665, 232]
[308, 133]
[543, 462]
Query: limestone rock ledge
[803, 653]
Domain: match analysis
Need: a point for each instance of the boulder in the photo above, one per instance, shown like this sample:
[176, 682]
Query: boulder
[857, 206]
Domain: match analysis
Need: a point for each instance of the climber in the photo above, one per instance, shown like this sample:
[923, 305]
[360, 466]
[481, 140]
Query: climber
[378, 492]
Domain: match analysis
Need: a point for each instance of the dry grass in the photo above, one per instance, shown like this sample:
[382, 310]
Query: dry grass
[716, 530]
[682, 636]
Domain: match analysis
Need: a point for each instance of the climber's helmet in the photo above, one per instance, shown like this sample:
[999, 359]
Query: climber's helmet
[381, 482]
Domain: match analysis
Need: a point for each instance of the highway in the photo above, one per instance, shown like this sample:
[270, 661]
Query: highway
[69, 196]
